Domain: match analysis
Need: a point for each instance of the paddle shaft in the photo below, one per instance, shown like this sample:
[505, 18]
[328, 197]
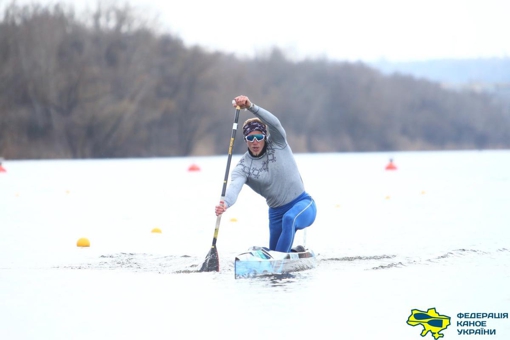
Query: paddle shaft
[227, 170]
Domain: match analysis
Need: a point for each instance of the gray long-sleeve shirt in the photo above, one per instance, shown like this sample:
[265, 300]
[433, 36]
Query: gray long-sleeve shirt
[275, 174]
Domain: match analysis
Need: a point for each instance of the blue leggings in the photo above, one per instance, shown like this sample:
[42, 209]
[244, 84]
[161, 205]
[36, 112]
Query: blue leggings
[285, 220]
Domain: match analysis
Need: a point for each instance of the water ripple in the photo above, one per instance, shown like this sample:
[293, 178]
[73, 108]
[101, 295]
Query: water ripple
[141, 262]
[359, 258]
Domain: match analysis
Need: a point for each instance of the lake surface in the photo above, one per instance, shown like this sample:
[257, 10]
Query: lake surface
[435, 233]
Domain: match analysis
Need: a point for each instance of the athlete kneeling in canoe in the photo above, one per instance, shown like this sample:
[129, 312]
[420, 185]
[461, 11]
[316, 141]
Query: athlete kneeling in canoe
[269, 168]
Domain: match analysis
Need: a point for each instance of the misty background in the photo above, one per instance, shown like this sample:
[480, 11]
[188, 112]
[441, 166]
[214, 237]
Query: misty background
[112, 84]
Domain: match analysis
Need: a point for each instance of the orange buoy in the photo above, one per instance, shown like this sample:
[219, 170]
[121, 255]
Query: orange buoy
[391, 166]
[83, 242]
[194, 167]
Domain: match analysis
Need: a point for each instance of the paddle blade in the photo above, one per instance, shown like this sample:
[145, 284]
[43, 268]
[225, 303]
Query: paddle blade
[212, 261]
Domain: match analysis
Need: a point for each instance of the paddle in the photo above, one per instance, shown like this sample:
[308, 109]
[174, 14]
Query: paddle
[212, 261]
[434, 322]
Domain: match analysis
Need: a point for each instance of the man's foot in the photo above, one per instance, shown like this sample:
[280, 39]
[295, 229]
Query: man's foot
[298, 249]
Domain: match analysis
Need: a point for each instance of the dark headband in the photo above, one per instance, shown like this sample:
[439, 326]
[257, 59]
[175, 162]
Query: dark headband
[254, 126]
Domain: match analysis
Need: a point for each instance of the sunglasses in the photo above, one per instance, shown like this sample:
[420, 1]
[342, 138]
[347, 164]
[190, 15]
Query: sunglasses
[252, 138]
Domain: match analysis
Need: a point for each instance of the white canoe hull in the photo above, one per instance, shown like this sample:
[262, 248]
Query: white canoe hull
[262, 262]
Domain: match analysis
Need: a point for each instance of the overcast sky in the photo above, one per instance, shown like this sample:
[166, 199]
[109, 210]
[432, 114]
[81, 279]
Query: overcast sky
[368, 30]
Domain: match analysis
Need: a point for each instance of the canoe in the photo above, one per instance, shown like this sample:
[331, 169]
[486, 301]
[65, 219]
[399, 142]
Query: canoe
[259, 261]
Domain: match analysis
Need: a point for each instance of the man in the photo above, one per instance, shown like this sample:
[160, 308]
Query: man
[269, 168]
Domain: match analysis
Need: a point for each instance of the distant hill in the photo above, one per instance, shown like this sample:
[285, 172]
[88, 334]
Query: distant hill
[452, 71]
[490, 76]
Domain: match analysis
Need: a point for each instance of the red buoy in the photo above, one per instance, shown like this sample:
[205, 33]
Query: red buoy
[391, 166]
[194, 167]
[2, 169]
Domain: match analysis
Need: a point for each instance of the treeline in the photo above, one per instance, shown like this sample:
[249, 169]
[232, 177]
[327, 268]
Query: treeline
[108, 84]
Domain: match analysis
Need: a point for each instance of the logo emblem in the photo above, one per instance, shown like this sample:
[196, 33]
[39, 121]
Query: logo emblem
[431, 321]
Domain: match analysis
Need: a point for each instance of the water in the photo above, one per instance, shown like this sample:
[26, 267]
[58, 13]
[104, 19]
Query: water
[433, 233]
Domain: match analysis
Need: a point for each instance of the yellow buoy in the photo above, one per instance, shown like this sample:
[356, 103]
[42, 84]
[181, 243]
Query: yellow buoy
[83, 242]
[156, 230]
[233, 219]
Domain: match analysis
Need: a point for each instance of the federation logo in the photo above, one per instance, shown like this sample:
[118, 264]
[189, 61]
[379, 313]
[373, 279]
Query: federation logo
[431, 321]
